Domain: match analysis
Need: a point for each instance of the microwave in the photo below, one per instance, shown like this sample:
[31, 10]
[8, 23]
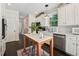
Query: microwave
[75, 30]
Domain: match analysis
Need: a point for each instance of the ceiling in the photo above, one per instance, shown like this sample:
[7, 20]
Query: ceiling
[27, 8]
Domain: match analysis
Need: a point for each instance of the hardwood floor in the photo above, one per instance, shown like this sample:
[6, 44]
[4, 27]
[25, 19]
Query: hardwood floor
[12, 47]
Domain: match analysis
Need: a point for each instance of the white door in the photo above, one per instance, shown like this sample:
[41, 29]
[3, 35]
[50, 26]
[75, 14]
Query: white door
[71, 45]
[12, 18]
[10, 29]
[16, 29]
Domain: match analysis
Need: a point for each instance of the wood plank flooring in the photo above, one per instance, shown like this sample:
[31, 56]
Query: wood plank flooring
[12, 47]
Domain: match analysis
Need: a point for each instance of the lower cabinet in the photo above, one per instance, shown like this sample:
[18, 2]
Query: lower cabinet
[72, 45]
[77, 46]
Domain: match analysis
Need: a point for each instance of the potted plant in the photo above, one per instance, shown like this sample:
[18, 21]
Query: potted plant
[34, 27]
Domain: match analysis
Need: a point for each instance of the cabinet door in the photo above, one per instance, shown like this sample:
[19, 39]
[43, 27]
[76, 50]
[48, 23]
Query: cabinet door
[76, 14]
[66, 15]
[70, 14]
[71, 45]
[77, 46]
[61, 16]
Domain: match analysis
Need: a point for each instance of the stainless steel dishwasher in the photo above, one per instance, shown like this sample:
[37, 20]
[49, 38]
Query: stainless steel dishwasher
[59, 41]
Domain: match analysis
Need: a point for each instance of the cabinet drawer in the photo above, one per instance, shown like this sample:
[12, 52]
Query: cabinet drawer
[71, 37]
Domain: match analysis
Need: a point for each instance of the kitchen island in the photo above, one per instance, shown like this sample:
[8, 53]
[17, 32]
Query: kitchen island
[38, 41]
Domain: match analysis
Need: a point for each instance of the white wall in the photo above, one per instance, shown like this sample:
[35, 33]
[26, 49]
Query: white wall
[20, 25]
[31, 19]
[43, 20]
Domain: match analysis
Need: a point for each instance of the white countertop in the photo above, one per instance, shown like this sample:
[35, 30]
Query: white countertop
[51, 34]
[38, 38]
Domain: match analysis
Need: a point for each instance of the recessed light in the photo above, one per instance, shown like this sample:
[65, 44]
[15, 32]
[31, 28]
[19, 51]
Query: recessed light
[9, 4]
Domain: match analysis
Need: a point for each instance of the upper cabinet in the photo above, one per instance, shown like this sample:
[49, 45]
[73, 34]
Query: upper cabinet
[61, 16]
[68, 15]
[76, 8]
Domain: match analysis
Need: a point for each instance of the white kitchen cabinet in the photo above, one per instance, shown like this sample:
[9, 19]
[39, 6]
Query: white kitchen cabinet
[76, 8]
[68, 15]
[61, 16]
[77, 46]
[71, 44]
[12, 18]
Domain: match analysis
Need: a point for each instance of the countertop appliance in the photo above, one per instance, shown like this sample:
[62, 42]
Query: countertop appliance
[75, 30]
[59, 41]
